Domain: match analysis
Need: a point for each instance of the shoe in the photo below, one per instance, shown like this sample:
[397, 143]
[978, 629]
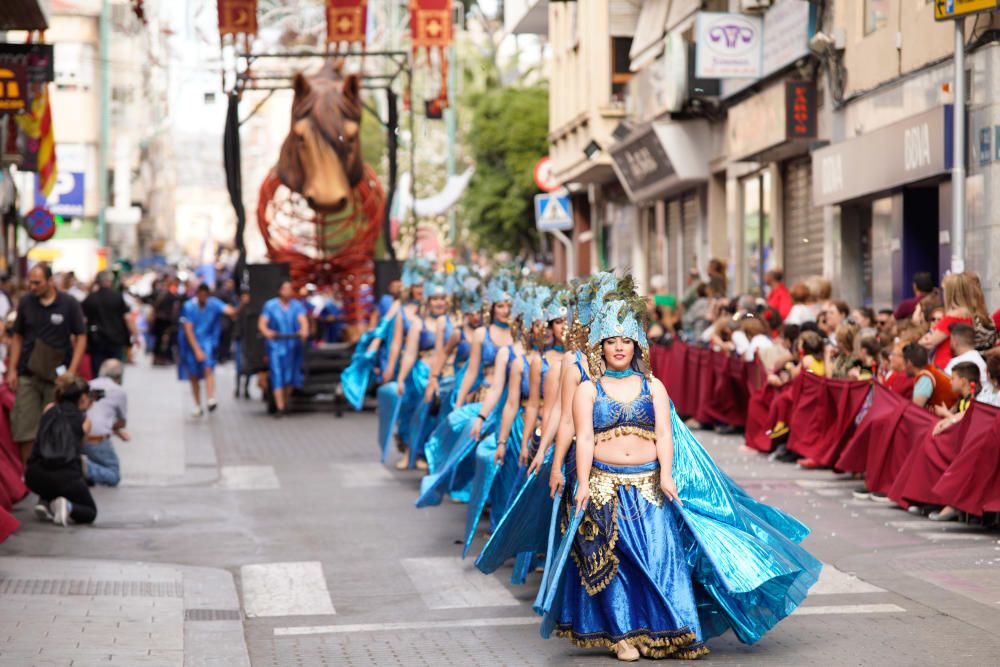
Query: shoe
[916, 510]
[60, 511]
[780, 429]
[197, 411]
[861, 493]
[881, 498]
[944, 514]
[42, 511]
[725, 429]
[212, 405]
[626, 652]
[808, 464]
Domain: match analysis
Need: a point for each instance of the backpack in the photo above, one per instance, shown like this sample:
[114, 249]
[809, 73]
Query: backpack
[58, 443]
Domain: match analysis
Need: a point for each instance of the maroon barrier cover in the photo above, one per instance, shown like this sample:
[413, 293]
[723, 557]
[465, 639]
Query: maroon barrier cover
[931, 456]
[673, 372]
[12, 487]
[884, 439]
[972, 481]
[823, 417]
[758, 412]
[706, 383]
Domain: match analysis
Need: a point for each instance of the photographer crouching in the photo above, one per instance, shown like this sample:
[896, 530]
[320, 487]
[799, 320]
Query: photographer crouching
[107, 414]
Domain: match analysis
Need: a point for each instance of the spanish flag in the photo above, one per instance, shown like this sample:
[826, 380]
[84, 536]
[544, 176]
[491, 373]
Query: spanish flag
[37, 124]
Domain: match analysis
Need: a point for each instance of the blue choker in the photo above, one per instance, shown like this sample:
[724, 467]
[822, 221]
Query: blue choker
[502, 325]
[558, 348]
[619, 374]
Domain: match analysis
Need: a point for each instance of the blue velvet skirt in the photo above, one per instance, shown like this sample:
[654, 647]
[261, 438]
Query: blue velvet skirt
[627, 577]
[452, 449]
[427, 417]
[494, 483]
[358, 374]
[389, 405]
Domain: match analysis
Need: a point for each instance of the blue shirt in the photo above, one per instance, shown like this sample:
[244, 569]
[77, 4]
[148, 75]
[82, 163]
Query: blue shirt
[332, 330]
[384, 304]
[283, 320]
[205, 321]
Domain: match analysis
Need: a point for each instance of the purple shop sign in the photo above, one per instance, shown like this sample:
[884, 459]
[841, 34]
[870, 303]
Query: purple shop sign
[728, 45]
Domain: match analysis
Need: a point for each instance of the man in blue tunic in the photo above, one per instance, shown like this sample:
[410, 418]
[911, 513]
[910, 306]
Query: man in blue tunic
[198, 342]
[284, 324]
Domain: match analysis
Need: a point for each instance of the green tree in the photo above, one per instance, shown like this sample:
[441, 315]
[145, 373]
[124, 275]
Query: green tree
[506, 137]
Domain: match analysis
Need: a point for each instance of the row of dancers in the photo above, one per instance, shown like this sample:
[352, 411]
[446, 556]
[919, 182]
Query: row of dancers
[535, 403]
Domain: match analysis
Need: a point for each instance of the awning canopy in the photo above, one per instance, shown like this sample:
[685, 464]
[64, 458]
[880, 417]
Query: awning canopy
[534, 21]
[23, 15]
[649, 33]
[661, 158]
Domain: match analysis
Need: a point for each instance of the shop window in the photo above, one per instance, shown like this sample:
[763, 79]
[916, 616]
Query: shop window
[758, 241]
[876, 15]
[620, 72]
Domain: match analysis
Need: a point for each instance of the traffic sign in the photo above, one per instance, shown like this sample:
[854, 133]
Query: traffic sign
[40, 223]
[956, 9]
[553, 212]
[544, 176]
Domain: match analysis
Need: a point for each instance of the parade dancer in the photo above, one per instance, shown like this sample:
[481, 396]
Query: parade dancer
[663, 550]
[201, 328]
[284, 324]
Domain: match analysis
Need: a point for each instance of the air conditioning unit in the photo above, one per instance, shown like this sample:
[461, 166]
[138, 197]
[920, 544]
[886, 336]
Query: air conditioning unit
[755, 6]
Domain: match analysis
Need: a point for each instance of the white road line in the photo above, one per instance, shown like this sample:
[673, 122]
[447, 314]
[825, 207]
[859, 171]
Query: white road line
[285, 589]
[846, 484]
[248, 478]
[953, 535]
[849, 609]
[416, 625]
[834, 582]
[451, 583]
[361, 475]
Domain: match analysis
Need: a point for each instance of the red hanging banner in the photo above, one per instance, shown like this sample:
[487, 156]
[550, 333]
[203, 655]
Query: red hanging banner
[346, 21]
[430, 23]
[237, 17]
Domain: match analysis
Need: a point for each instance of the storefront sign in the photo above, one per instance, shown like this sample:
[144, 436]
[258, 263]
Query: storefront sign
[37, 58]
[905, 152]
[728, 46]
[661, 158]
[642, 161]
[956, 9]
[67, 194]
[800, 110]
[13, 89]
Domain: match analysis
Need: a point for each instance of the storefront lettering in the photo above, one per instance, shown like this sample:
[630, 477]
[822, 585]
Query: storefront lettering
[832, 170]
[641, 163]
[917, 147]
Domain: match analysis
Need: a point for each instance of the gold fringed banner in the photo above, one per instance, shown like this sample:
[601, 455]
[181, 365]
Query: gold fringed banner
[346, 21]
[237, 17]
[431, 28]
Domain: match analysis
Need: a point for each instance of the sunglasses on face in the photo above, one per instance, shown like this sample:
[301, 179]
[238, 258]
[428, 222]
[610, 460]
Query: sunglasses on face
[881, 323]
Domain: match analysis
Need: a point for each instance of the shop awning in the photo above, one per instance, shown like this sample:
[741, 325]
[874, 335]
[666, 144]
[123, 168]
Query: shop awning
[660, 158]
[23, 15]
[534, 21]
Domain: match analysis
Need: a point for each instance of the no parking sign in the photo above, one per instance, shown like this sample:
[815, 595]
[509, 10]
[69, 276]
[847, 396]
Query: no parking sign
[40, 223]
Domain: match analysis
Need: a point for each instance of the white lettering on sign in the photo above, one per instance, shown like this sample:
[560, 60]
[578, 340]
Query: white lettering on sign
[641, 163]
[832, 173]
[917, 147]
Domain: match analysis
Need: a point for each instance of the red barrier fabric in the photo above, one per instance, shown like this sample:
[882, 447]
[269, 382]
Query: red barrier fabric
[823, 419]
[12, 488]
[972, 481]
[8, 524]
[706, 383]
[931, 457]
[884, 439]
[758, 412]
[675, 374]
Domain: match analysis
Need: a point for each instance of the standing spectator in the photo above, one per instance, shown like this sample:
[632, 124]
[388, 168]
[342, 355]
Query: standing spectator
[6, 288]
[834, 314]
[958, 308]
[691, 292]
[778, 296]
[201, 326]
[284, 324]
[108, 414]
[800, 312]
[166, 304]
[54, 468]
[991, 390]
[49, 340]
[717, 277]
[864, 317]
[986, 330]
[963, 339]
[931, 387]
[109, 328]
[923, 284]
[886, 326]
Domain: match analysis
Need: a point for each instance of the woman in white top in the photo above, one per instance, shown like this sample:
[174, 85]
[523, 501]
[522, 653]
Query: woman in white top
[800, 312]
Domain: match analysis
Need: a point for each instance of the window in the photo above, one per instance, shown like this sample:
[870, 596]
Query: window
[620, 72]
[758, 242]
[876, 15]
[74, 65]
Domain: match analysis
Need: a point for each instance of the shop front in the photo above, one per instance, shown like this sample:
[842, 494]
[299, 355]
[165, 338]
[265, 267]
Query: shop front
[893, 190]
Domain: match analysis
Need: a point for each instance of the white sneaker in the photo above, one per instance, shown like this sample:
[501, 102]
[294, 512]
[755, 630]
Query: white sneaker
[60, 511]
[212, 405]
[197, 411]
[42, 511]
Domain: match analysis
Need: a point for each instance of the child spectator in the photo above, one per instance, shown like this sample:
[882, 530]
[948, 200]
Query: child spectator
[963, 340]
[931, 386]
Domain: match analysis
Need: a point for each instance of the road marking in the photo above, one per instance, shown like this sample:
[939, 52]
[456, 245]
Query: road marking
[832, 492]
[451, 583]
[285, 589]
[850, 609]
[953, 535]
[248, 478]
[834, 582]
[415, 625]
[361, 475]
[828, 483]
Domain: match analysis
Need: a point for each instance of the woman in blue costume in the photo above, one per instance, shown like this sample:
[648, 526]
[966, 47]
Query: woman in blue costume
[284, 324]
[458, 468]
[663, 550]
[426, 335]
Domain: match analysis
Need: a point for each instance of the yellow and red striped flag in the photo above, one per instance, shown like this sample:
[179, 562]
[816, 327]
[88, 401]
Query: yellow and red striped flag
[37, 124]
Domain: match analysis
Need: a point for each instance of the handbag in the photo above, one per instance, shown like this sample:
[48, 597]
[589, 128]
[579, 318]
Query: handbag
[44, 360]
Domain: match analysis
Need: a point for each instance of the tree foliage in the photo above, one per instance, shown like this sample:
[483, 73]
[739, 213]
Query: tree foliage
[507, 136]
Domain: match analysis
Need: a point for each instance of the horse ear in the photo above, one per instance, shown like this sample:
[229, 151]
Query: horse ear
[301, 85]
[352, 87]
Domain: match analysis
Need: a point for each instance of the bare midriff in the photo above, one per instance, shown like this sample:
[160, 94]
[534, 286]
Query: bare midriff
[629, 450]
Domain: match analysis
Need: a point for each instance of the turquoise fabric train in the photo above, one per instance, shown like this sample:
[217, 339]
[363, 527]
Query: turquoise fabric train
[358, 374]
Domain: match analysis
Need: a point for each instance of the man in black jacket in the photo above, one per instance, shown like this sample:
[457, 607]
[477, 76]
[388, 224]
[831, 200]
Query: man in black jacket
[108, 326]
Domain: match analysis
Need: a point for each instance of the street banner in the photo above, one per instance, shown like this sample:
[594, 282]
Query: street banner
[37, 58]
[945, 10]
[430, 23]
[37, 127]
[346, 21]
[237, 17]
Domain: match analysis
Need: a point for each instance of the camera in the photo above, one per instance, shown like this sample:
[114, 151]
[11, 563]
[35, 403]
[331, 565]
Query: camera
[96, 394]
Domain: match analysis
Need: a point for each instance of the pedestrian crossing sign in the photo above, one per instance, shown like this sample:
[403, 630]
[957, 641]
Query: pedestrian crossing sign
[553, 211]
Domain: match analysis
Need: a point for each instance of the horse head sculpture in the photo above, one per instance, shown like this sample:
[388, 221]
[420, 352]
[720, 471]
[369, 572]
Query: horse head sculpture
[321, 156]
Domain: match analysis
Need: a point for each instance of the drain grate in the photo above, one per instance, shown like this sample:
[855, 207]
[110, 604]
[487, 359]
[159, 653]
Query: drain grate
[112, 588]
[212, 615]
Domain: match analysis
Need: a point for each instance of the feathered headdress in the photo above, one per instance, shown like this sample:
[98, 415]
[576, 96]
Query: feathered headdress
[502, 287]
[416, 271]
[591, 295]
[557, 306]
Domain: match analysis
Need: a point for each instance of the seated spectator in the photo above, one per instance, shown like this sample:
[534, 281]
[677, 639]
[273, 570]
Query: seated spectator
[886, 326]
[753, 338]
[839, 358]
[991, 390]
[895, 376]
[834, 314]
[54, 469]
[864, 317]
[931, 386]
[965, 384]
[801, 312]
[962, 339]
[811, 353]
[923, 284]
[867, 359]
[957, 308]
[107, 416]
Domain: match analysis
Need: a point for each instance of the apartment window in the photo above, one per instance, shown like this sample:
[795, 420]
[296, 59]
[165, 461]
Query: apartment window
[876, 15]
[620, 72]
[758, 240]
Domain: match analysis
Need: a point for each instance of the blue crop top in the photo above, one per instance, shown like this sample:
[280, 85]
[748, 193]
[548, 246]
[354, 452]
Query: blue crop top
[463, 348]
[490, 350]
[613, 418]
[427, 337]
[584, 375]
[525, 378]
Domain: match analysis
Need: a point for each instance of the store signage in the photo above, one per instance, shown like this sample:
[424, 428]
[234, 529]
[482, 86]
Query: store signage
[67, 194]
[956, 9]
[642, 161]
[729, 45]
[13, 89]
[911, 150]
[800, 110]
[37, 58]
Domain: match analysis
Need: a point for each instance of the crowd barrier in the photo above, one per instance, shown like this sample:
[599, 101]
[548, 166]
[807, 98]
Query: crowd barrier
[846, 425]
[12, 488]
